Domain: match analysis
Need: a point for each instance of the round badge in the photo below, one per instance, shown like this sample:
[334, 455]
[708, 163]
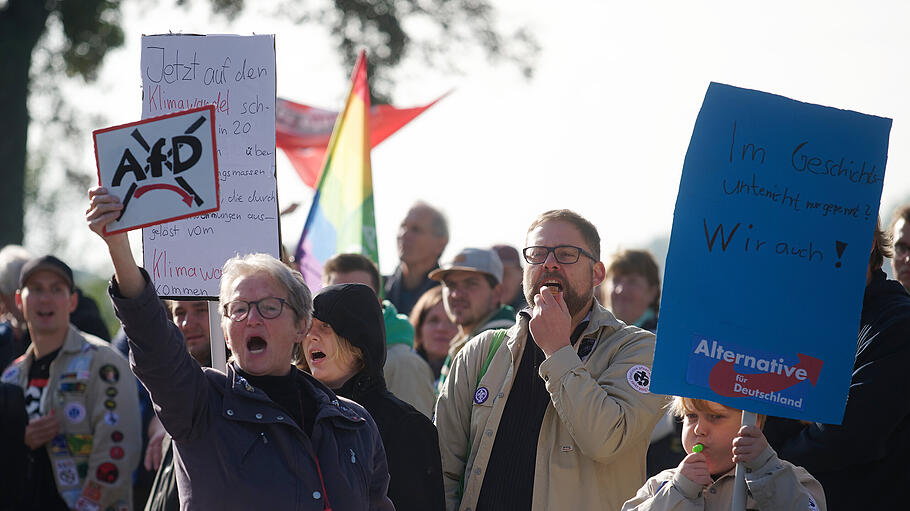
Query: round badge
[75, 412]
[111, 391]
[109, 373]
[481, 395]
[11, 375]
[107, 472]
[111, 418]
[110, 404]
[639, 378]
[116, 452]
[117, 436]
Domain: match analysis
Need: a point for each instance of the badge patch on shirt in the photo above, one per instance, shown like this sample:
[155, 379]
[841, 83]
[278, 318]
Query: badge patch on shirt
[80, 445]
[59, 447]
[84, 504]
[11, 375]
[117, 436]
[80, 375]
[111, 391]
[107, 472]
[812, 505]
[75, 412]
[72, 387]
[79, 364]
[111, 418]
[110, 404]
[92, 491]
[66, 472]
[481, 395]
[109, 373]
[116, 452]
[70, 496]
[639, 378]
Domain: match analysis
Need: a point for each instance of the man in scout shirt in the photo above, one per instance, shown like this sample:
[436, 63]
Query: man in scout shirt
[80, 396]
[560, 416]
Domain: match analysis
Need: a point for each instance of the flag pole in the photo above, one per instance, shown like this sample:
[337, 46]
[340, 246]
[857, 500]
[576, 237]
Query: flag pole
[739, 485]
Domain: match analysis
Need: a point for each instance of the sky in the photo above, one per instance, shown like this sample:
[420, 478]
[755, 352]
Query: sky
[602, 128]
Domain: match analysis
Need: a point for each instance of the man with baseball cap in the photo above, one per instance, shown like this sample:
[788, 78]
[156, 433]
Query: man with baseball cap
[80, 397]
[472, 297]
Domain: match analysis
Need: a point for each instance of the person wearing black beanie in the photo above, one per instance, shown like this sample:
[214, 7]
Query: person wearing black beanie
[345, 348]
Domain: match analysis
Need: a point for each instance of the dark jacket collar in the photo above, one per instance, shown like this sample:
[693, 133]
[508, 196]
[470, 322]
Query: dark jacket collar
[361, 384]
[243, 397]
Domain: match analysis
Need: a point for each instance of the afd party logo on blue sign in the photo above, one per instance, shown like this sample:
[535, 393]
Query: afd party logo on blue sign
[173, 155]
[736, 371]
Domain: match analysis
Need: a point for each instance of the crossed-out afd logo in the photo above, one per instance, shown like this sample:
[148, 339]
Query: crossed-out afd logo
[173, 153]
[157, 160]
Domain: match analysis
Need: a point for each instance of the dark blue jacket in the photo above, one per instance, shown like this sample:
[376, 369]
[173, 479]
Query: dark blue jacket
[863, 462]
[236, 449]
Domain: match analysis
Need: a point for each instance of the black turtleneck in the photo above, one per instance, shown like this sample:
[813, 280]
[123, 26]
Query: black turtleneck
[287, 393]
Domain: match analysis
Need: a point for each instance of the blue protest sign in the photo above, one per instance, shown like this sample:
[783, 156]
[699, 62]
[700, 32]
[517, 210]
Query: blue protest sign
[767, 264]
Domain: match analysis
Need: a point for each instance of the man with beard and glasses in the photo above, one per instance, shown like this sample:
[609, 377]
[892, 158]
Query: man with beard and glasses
[557, 415]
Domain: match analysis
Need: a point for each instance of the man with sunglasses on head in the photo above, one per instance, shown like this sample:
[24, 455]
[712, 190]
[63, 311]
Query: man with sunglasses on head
[472, 297]
[556, 413]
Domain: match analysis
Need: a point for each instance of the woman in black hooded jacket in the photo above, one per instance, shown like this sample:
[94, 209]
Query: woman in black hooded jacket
[345, 348]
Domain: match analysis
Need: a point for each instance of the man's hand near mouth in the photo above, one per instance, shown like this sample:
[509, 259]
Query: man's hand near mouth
[550, 320]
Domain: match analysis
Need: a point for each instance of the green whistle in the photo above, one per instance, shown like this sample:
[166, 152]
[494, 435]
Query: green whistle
[697, 448]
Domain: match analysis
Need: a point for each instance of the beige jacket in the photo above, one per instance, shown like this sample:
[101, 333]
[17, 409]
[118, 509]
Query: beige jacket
[502, 317]
[93, 392]
[410, 378]
[594, 434]
[773, 485]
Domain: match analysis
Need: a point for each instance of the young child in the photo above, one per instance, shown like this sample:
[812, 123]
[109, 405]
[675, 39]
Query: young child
[704, 480]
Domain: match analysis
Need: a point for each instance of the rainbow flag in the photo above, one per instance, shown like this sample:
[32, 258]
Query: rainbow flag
[341, 217]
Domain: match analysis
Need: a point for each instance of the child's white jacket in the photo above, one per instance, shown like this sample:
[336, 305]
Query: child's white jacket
[774, 485]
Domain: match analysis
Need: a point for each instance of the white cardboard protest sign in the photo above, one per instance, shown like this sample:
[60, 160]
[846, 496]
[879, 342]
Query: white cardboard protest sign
[173, 156]
[236, 76]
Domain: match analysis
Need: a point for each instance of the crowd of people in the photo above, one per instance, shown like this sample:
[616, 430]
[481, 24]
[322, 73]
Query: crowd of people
[501, 379]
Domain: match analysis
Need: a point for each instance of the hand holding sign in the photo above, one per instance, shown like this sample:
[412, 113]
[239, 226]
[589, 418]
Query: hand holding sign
[749, 443]
[173, 153]
[103, 209]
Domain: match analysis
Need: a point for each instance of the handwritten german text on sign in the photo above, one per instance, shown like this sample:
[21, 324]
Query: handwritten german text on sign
[236, 76]
[172, 155]
[766, 269]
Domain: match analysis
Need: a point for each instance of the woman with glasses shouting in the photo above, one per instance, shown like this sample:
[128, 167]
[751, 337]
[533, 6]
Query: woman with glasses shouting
[262, 435]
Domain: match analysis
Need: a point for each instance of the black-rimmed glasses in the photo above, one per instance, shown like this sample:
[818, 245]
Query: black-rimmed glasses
[268, 308]
[564, 254]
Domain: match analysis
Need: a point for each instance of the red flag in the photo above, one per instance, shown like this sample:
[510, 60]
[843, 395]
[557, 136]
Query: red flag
[303, 132]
